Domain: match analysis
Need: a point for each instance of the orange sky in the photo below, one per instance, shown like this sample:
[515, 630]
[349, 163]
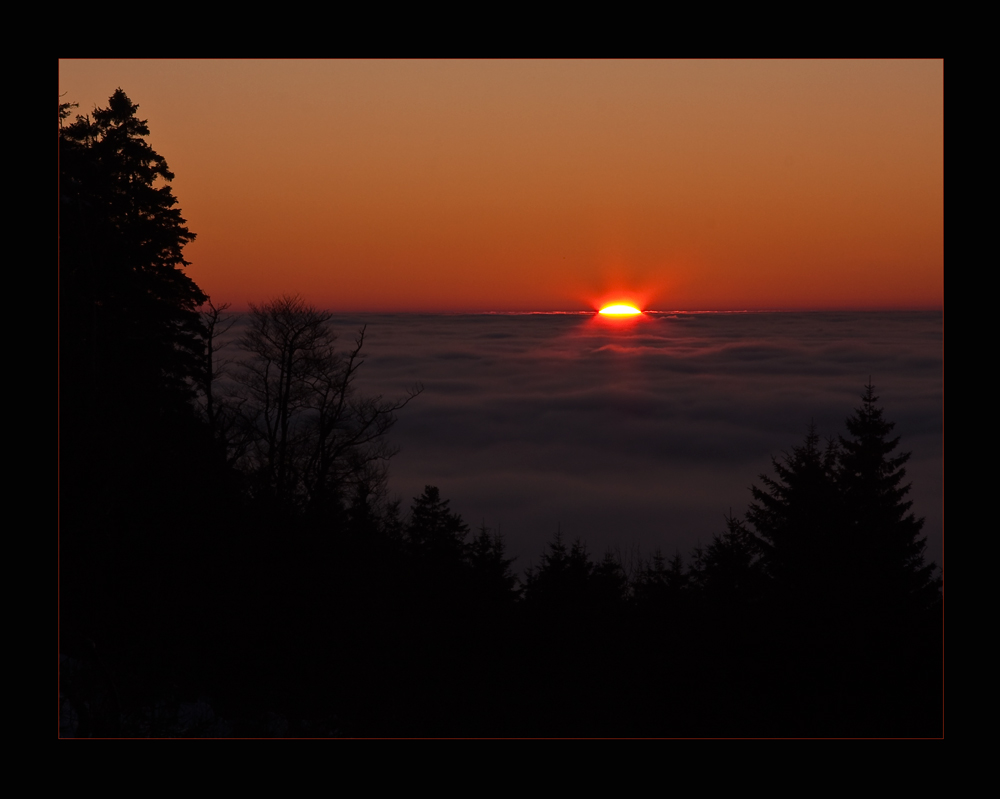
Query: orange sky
[550, 185]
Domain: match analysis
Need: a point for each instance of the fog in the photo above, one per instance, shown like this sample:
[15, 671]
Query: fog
[638, 434]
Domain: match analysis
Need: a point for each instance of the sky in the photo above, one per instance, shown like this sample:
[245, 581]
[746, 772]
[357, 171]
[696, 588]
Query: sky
[549, 185]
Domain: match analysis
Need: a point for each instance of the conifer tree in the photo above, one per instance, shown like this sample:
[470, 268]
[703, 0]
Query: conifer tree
[794, 524]
[131, 333]
[131, 340]
[435, 531]
[140, 482]
[880, 527]
[491, 567]
[729, 571]
[660, 583]
[565, 572]
[610, 585]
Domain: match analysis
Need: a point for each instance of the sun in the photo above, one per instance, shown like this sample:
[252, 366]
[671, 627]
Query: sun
[619, 310]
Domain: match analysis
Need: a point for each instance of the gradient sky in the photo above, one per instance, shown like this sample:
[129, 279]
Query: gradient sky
[520, 185]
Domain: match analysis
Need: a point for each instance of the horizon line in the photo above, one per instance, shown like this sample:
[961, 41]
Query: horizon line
[595, 312]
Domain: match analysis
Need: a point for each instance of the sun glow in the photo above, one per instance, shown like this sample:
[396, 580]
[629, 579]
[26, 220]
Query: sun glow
[619, 310]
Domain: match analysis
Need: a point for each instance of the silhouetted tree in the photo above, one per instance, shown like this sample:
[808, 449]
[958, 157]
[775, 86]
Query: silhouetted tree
[795, 524]
[563, 580]
[892, 600]
[435, 532]
[890, 603]
[834, 522]
[217, 323]
[610, 584]
[658, 584]
[491, 574]
[142, 488]
[729, 571]
[881, 530]
[845, 621]
[130, 330]
[306, 432]
[131, 343]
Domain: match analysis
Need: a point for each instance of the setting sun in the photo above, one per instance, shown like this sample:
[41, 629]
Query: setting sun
[620, 310]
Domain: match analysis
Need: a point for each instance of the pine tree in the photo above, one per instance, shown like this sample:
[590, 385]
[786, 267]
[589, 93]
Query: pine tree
[435, 532]
[141, 484]
[491, 574]
[564, 579]
[659, 584]
[882, 532]
[131, 340]
[841, 641]
[610, 584]
[890, 597]
[130, 330]
[729, 571]
[794, 523]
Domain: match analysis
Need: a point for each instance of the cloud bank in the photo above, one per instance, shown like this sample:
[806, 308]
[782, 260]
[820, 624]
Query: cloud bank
[642, 433]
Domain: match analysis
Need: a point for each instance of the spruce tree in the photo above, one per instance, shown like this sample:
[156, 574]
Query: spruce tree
[883, 534]
[729, 571]
[794, 525]
[492, 578]
[435, 532]
[891, 596]
[142, 488]
[130, 330]
[563, 581]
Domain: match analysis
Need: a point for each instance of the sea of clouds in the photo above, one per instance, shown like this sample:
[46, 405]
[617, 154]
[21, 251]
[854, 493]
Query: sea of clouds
[639, 434]
[645, 433]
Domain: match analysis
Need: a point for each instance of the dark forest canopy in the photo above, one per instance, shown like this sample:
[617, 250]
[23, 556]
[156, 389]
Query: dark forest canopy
[235, 552]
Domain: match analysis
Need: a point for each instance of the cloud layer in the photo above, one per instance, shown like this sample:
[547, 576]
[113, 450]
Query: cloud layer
[642, 433]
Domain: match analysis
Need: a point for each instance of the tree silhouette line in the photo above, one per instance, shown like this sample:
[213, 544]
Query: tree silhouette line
[230, 563]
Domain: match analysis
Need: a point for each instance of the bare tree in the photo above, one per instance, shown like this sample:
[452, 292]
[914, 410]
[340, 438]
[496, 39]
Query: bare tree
[310, 435]
[217, 323]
